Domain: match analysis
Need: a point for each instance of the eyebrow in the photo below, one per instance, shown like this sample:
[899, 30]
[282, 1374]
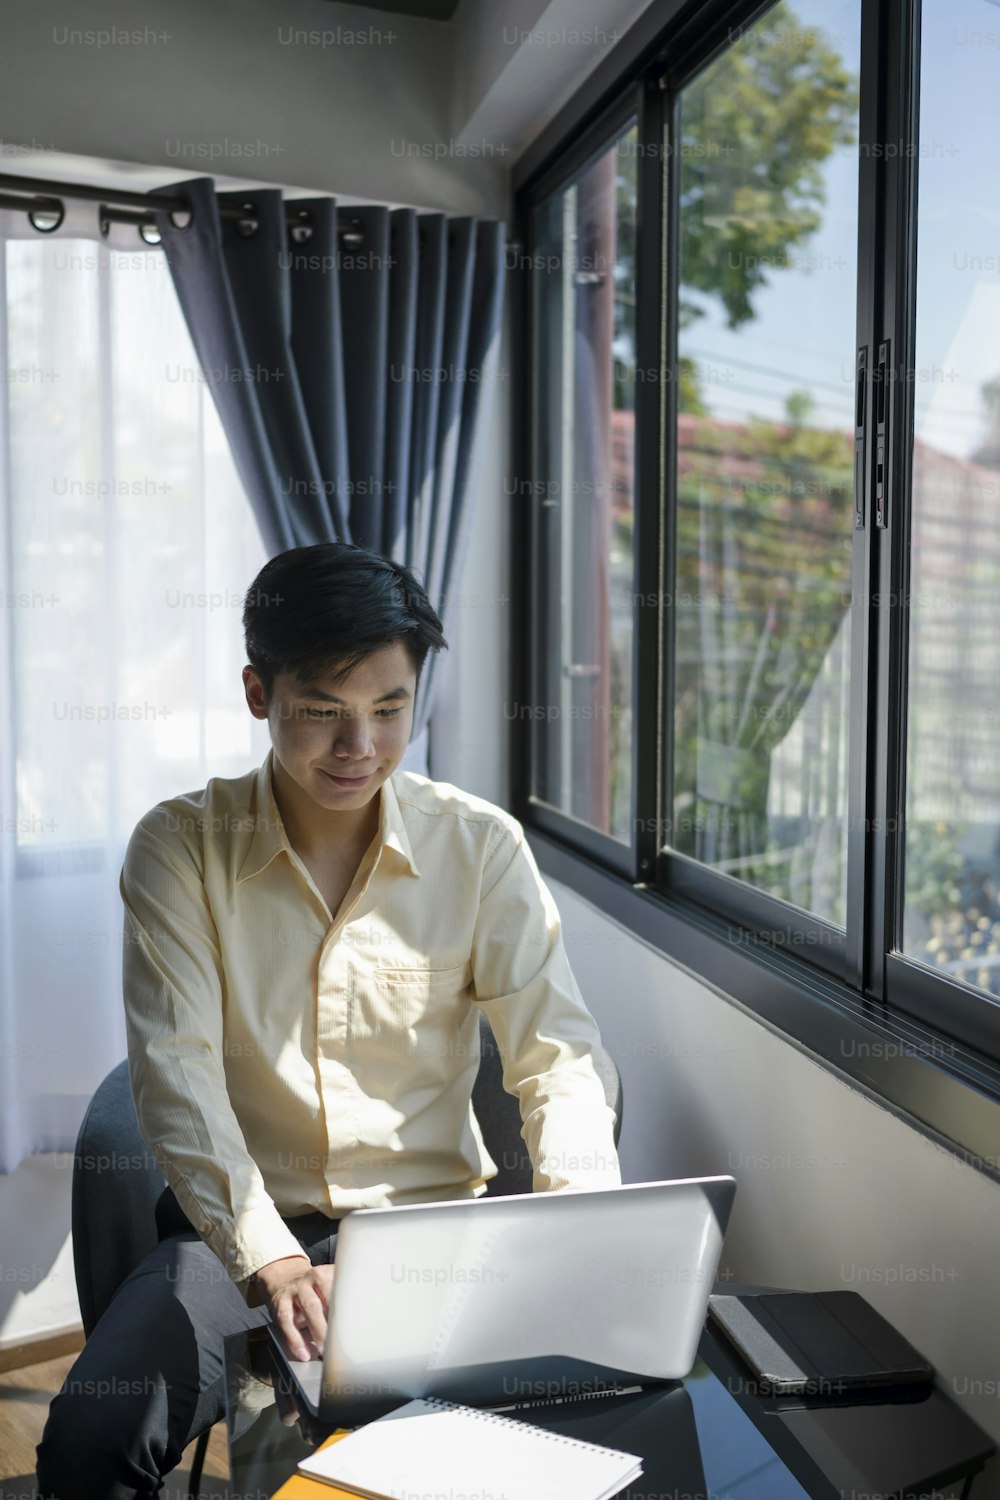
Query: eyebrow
[311, 690]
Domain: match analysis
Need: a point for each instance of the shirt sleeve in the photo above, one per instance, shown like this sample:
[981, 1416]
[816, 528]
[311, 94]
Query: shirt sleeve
[546, 1036]
[172, 983]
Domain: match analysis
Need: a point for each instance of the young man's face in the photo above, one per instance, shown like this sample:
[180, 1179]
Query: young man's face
[340, 752]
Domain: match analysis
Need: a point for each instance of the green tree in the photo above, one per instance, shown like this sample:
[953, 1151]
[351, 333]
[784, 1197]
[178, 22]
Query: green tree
[756, 128]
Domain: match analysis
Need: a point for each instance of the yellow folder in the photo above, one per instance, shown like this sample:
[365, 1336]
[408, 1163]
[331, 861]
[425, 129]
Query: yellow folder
[301, 1487]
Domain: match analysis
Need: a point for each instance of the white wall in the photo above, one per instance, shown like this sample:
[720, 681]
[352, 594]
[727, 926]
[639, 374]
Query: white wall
[311, 94]
[469, 734]
[217, 88]
[521, 60]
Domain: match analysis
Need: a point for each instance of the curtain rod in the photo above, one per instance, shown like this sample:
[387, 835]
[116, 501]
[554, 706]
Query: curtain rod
[41, 201]
[38, 186]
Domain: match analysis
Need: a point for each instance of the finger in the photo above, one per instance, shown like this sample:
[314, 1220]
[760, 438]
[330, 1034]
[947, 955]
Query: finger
[324, 1290]
[315, 1314]
[315, 1350]
[284, 1316]
[303, 1325]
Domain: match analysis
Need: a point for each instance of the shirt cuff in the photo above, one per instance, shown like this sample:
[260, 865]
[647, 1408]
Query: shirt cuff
[571, 1141]
[583, 1170]
[260, 1236]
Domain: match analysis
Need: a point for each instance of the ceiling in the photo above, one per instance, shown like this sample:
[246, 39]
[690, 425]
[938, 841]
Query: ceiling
[431, 10]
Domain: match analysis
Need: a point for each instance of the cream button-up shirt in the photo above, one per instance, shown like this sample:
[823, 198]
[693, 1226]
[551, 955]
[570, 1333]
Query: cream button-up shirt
[283, 1062]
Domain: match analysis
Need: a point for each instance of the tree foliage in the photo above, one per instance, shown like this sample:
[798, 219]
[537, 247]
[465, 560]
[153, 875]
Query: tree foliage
[756, 128]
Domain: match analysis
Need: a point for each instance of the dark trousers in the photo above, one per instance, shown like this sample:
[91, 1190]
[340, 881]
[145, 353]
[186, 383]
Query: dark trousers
[149, 1379]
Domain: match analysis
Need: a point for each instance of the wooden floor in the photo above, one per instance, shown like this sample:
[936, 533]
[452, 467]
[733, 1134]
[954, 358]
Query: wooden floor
[25, 1395]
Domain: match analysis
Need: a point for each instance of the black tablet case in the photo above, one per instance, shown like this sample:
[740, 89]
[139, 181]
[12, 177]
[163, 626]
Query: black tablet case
[817, 1342]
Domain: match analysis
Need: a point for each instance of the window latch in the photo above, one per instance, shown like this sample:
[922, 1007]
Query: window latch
[860, 398]
[882, 375]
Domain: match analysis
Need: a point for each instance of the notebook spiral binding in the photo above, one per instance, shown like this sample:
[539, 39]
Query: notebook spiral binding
[536, 1432]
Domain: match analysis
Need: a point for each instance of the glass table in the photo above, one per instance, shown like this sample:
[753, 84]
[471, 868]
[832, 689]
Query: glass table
[708, 1437]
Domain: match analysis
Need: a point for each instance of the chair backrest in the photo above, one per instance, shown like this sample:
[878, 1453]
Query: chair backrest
[117, 1183]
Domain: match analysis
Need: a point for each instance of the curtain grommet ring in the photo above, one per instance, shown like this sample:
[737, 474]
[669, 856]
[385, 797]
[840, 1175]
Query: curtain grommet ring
[352, 234]
[145, 224]
[46, 215]
[249, 222]
[301, 230]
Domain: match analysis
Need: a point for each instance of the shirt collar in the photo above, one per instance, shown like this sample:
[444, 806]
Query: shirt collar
[269, 836]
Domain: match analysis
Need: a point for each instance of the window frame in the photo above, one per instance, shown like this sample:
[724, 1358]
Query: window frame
[908, 1036]
[589, 147]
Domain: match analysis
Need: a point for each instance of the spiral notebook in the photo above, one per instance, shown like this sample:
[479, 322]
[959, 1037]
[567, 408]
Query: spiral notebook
[432, 1445]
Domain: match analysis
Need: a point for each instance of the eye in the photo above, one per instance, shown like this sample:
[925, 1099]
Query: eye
[329, 713]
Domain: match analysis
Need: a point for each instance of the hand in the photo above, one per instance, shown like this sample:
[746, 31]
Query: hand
[297, 1295]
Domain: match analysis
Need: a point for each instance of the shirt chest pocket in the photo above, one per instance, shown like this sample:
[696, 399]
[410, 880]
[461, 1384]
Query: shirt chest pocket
[395, 1007]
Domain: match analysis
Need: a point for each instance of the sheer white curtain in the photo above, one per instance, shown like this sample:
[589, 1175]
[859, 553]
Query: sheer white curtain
[126, 545]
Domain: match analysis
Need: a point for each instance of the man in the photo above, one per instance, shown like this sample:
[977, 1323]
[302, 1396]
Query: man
[305, 950]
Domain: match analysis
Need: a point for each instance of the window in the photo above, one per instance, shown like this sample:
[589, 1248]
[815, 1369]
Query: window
[809, 442]
[131, 542]
[952, 808]
[582, 488]
[763, 454]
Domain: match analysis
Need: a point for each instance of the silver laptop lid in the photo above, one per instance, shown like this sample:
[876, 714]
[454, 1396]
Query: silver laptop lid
[530, 1294]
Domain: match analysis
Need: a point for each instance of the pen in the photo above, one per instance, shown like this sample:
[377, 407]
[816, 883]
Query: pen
[622, 1390]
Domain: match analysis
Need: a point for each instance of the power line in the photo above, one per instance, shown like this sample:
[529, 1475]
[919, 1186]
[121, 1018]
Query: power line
[828, 385]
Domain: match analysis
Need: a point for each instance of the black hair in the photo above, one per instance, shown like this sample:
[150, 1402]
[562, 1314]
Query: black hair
[313, 611]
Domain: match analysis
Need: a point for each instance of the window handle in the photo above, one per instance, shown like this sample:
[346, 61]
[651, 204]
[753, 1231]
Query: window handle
[860, 400]
[882, 376]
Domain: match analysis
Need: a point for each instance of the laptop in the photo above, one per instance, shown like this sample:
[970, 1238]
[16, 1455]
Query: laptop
[501, 1302]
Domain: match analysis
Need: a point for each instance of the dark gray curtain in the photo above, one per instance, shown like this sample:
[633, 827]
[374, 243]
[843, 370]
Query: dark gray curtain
[350, 354]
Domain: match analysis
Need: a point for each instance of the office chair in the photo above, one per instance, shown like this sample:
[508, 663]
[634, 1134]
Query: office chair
[113, 1211]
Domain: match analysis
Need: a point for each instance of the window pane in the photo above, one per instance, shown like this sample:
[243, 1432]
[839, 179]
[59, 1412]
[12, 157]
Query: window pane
[581, 490]
[764, 454]
[952, 844]
[61, 665]
[132, 542]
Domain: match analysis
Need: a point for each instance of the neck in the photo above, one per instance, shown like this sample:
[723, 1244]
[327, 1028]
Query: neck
[316, 831]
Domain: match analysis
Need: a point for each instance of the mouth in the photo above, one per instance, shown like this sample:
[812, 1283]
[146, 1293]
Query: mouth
[348, 781]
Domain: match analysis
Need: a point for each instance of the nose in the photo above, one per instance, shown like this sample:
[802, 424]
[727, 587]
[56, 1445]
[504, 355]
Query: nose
[353, 742]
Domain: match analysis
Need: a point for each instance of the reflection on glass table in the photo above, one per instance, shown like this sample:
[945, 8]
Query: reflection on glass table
[708, 1436]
